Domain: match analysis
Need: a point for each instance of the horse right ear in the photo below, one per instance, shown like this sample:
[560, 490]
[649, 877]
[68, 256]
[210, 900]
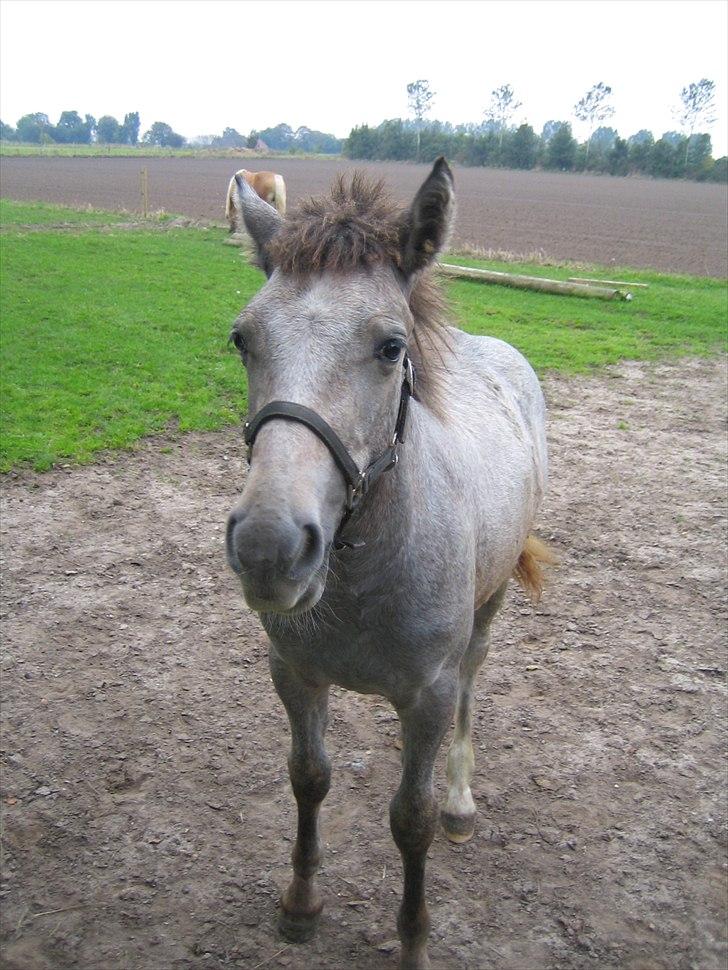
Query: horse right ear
[427, 225]
[261, 220]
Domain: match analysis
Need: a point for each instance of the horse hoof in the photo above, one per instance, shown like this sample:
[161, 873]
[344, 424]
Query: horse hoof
[458, 828]
[414, 960]
[298, 928]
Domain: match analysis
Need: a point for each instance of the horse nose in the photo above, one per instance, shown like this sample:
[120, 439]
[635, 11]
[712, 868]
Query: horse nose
[280, 549]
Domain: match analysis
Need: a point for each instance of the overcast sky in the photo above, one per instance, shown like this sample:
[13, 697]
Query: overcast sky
[332, 64]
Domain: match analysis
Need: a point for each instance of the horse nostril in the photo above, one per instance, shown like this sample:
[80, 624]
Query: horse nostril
[309, 554]
[236, 516]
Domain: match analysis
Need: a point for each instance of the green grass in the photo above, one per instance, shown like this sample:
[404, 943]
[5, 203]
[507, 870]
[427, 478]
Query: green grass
[9, 149]
[110, 336]
[16, 214]
[104, 151]
[676, 315]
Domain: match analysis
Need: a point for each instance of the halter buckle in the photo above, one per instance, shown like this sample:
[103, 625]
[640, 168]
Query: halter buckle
[355, 493]
[409, 376]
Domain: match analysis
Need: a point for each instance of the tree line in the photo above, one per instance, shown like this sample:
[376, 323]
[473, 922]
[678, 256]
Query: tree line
[554, 148]
[71, 128]
[495, 141]
[281, 138]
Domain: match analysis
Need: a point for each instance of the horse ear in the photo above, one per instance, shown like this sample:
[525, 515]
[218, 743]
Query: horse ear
[261, 220]
[428, 222]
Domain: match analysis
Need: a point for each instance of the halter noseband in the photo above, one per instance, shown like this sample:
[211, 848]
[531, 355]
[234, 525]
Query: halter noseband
[358, 482]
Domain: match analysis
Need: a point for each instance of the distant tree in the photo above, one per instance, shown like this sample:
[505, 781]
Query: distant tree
[108, 130]
[361, 143]
[666, 156]
[480, 148]
[522, 148]
[437, 138]
[320, 142]
[7, 132]
[603, 140]
[71, 129]
[397, 141]
[618, 157]
[639, 150]
[643, 136]
[719, 172]
[673, 138]
[500, 111]
[697, 106]
[561, 149]
[700, 151]
[594, 108]
[595, 153]
[230, 138]
[279, 138]
[130, 128]
[419, 100]
[31, 127]
[549, 130]
[162, 134]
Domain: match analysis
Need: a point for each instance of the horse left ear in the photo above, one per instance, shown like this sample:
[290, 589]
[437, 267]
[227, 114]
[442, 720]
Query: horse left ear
[428, 222]
[261, 220]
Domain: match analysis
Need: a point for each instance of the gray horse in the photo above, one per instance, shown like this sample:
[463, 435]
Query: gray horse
[396, 468]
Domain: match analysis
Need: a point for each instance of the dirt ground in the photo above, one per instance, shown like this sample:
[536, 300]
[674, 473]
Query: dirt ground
[147, 818]
[666, 225]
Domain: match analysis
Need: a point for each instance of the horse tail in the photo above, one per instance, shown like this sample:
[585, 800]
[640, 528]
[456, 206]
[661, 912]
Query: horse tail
[230, 208]
[528, 571]
[280, 194]
[229, 204]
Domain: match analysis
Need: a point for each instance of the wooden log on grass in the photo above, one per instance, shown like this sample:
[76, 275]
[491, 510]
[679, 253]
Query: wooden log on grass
[581, 279]
[543, 285]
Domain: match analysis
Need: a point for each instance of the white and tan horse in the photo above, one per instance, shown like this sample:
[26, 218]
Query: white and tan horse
[397, 465]
[268, 185]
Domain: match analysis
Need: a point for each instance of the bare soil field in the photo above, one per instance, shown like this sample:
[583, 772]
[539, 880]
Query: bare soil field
[147, 812]
[665, 225]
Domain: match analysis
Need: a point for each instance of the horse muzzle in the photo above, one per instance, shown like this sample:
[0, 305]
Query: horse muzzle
[280, 562]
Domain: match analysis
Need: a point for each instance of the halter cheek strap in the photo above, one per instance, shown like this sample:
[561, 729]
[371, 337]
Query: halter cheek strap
[358, 482]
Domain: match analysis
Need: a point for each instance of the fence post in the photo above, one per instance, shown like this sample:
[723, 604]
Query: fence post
[144, 182]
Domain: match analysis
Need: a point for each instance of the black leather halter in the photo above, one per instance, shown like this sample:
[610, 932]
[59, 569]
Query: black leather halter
[358, 482]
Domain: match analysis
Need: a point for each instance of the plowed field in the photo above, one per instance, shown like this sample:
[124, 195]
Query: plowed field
[665, 225]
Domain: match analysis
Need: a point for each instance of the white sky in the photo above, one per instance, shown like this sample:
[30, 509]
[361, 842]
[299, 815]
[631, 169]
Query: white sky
[331, 64]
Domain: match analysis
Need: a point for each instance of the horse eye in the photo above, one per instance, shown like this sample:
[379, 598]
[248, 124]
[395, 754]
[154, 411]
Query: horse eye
[391, 349]
[238, 341]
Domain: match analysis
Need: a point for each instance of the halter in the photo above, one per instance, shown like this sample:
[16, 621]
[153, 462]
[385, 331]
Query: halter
[358, 482]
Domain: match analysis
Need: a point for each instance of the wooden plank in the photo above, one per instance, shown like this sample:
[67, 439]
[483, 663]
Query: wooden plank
[581, 279]
[541, 284]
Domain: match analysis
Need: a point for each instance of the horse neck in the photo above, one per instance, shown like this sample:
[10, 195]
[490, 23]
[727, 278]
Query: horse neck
[387, 518]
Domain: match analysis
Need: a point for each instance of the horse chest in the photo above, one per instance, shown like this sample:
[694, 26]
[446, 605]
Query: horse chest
[373, 648]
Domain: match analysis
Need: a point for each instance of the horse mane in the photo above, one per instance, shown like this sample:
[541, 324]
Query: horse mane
[359, 226]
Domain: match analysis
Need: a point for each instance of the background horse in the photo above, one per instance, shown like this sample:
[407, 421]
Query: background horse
[378, 553]
[268, 185]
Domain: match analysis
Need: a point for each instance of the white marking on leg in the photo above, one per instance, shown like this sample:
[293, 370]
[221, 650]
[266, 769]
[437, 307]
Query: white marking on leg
[460, 759]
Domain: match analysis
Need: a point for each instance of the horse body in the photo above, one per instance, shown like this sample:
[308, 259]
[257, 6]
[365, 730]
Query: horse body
[406, 615]
[269, 186]
[444, 533]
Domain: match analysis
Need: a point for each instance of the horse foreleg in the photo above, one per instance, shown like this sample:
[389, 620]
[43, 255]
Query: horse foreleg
[413, 812]
[310, 774]
[458, 816]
